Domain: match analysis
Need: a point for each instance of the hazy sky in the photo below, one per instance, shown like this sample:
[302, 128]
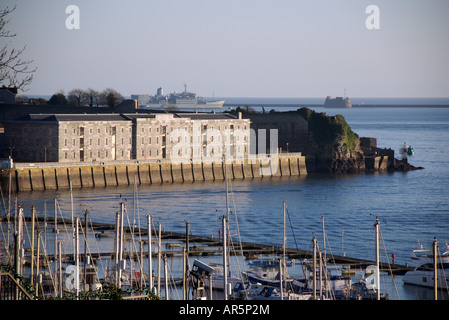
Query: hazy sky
[237, 48]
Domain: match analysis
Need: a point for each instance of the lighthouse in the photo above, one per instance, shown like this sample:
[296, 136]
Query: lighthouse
[403, 151]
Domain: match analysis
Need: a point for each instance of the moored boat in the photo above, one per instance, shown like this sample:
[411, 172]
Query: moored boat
[423, 274]
[265, 272]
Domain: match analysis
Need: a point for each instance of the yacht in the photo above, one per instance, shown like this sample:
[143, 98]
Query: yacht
[423, 274]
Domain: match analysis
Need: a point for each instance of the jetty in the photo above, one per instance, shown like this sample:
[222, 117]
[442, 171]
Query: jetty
[200, 245]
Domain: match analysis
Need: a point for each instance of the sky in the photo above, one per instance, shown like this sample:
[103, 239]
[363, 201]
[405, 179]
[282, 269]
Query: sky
[236, 48]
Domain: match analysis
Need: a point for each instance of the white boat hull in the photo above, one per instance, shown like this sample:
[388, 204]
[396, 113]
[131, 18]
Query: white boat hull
[425, 278]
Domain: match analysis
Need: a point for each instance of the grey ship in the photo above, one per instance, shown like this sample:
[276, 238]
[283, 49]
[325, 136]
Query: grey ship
[338, 102]
[182, 100]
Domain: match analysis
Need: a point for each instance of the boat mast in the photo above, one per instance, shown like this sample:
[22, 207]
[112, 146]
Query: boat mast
[56, 248]
[86, 212]
[77, 260]
[314, 267]
[167, 295]
[159, 257]
[73, 220]
[116, 246]
[376, 226]
[150, 253]
[186, 262]
[435, 270]
[33, 214]
[225, 265]
[284, 237]
[19, 249]
[324, 237]
[281, 278]
[184, 274]
[61, 292]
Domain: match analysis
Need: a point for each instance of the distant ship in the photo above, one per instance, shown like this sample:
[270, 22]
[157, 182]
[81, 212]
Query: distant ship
[338, 102]
[182, 100]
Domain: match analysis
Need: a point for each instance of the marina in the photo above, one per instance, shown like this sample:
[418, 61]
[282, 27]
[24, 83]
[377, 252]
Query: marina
[39, 249]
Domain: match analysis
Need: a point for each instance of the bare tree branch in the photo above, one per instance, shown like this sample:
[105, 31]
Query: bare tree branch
[14, 71]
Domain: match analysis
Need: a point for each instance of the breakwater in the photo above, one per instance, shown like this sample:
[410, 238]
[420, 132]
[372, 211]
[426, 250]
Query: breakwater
[55, 176]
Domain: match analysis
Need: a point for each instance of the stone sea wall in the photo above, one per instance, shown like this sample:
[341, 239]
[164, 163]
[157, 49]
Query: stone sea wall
[47, 177]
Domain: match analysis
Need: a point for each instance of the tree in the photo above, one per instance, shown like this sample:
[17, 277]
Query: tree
[58, 98]
[92, 98]
[76, 97]
[14, 71]
[111, 97]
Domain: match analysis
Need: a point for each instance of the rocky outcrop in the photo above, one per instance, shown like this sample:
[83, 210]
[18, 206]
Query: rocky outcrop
[334, 158]
[402, 165]
[333, 147]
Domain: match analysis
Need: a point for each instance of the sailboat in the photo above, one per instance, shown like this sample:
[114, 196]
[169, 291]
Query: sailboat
[268, 272]
[265, 272]
[214, 271]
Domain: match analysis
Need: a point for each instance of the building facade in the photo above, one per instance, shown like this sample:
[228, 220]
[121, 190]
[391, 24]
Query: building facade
[73, 138]
[8, 95]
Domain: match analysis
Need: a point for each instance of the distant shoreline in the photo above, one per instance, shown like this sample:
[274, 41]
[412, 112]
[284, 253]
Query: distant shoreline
[268, 106]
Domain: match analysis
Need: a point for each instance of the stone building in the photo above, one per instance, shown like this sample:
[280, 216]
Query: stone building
[290, 127]
[73, 138]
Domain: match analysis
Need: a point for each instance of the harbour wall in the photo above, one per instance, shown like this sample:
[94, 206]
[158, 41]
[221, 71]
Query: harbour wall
[48, 176]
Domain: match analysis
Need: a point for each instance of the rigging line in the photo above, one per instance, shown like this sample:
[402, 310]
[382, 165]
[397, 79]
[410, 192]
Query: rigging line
[389, 266]
[4, 203]
[5, 240]
[47, 262]
[89, 252]
[138, 211]
[62, 216]
[131, 252]
[238, 235]
[172, 282]
[291, 227]
[444, 273]
[96, 244]
[303, 267]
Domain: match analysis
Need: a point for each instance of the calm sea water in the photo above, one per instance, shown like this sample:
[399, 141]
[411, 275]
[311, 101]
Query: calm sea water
[411, 207]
